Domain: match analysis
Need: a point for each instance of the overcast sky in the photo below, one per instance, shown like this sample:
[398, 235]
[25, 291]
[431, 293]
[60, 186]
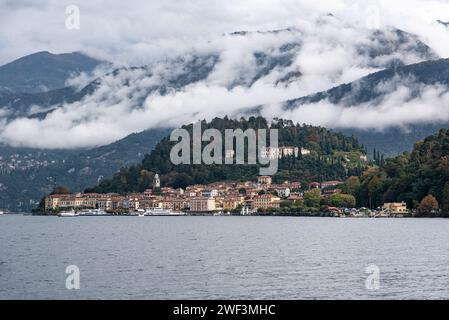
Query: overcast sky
[135, 31]
[149, 31]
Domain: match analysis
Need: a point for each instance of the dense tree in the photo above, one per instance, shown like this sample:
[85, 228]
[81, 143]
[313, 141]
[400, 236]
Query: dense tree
[374, 186]
[408, 177]
[428, 205]
[352, 185]
[445, 199]
[312, 198]
[342, 200]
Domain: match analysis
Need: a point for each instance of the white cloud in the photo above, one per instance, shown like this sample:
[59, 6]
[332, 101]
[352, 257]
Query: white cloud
[155, 32]
[135, 33]
[400, 107]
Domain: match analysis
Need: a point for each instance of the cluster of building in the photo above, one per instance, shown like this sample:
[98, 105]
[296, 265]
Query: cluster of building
[246, 197]
[15, 162]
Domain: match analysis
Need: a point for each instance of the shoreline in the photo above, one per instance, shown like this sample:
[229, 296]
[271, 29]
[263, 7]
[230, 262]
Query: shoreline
[310, 215]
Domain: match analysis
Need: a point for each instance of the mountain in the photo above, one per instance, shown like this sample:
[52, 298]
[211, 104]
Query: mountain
[366, 89]
[27, 174]
[30, 105]
[43, 71]
[330, 158]
[38, 105]
[236, 60]
[373, 89]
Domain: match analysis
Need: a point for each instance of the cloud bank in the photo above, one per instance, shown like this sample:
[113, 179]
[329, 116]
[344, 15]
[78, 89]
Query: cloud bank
[232, 74]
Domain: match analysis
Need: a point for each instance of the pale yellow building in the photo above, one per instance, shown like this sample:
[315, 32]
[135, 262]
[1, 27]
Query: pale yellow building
[231, 203]
[202, 204]
[266, 201]
[176, 204]
[396, 207]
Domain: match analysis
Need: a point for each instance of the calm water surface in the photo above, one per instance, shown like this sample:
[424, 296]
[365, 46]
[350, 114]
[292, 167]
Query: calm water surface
[223, 257]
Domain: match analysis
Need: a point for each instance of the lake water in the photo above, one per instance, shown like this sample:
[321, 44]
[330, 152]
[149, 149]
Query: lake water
[223, 257]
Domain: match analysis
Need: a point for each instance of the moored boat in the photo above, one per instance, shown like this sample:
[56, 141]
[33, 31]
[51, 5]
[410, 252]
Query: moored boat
[163, 212]
[92, 213]
[71, 213]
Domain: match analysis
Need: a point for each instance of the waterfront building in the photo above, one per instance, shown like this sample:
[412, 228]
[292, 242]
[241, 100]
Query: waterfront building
[175, 203]
[231, 203]
[395, 207]
[266, 201]
[202, 204]
[52, 201]
[104, 203]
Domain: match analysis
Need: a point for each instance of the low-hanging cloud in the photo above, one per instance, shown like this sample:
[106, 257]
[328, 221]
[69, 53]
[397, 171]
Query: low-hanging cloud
[322, 50]
[403, 103]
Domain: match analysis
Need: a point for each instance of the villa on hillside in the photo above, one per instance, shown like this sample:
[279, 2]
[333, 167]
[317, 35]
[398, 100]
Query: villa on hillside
[397, 208]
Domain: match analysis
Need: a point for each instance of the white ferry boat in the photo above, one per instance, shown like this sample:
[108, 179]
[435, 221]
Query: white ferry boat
[71, 213]
[92, 212]
[1, 212]
[163, 212]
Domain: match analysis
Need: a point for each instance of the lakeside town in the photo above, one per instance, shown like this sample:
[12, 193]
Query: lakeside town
[260, 197]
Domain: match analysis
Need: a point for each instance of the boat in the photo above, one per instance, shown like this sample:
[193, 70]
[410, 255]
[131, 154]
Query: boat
[92, 213]
[71, 213]
[163, 212]
[1, 212]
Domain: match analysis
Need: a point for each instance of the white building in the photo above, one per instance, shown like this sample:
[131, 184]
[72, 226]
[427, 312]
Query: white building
[282, 152]
[283, 192]
[210, 193]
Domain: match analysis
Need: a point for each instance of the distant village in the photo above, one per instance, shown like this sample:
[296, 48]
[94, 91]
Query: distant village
[259, 197]
[23, 162]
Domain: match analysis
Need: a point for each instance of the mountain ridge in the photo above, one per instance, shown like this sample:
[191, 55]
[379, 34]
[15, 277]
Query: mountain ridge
[43, 71]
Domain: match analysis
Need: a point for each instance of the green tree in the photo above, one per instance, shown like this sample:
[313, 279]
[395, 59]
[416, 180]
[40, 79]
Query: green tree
[373, 190]
[445, 200]
[342, 200]
[312, 198]
[352, 185]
